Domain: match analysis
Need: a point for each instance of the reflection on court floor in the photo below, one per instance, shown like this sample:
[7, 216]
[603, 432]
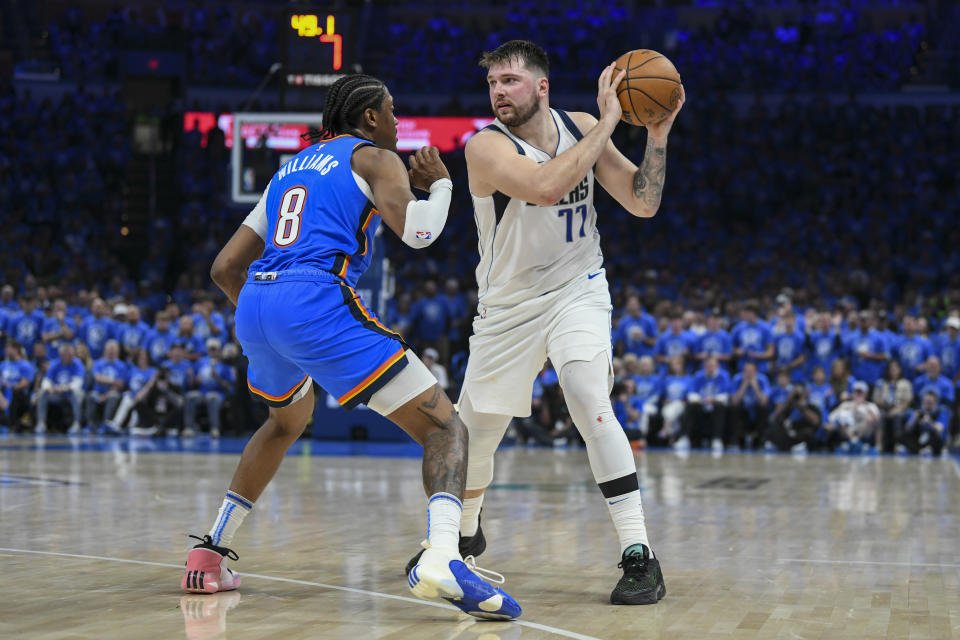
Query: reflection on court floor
[753, 546]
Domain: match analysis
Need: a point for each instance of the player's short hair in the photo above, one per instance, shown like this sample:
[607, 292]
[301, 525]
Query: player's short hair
[347, 99]
[531, 55]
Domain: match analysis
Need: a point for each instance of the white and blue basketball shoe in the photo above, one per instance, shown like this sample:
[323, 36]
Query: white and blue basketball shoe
[441, 575]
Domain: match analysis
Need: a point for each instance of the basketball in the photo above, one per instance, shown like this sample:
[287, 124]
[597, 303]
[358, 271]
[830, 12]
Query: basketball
[650, 90]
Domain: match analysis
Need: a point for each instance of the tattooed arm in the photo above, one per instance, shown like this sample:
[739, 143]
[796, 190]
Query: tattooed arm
[637, 189]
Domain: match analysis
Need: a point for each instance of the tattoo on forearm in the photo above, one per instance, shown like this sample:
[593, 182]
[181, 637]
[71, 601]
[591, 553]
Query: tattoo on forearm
[648, 180]
[444, 451]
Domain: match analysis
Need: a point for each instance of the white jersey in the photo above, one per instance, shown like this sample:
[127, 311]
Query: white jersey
[527, 250]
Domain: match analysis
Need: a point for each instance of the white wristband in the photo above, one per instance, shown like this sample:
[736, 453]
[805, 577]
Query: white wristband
[425, 218]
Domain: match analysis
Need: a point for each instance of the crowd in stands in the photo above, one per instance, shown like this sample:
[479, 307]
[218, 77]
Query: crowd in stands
[850, 206]
[223, 45]
[87, 368]
[824, 46]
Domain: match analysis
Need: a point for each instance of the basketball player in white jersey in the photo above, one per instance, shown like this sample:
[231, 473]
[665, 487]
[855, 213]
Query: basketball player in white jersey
[542, 287]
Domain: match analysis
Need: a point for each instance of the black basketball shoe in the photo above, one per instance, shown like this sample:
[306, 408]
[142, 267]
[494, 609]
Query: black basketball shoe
[642, 581]
[469, 546]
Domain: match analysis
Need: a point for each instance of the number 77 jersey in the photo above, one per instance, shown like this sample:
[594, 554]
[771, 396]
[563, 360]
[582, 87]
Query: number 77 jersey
[320, 214]
[527, 250]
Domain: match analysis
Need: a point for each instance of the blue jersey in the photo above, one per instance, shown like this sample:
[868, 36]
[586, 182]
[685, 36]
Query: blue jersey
[710, 387]
[139, 377]
[648, 389]
[13, 373]
[25, 328]
[911, 352]
[95, 333]
[714, 343]
[821, 395]
[112, 370]
[823, 347]
[786, 348]
[181, 373]
[317, 216]
[676, 387]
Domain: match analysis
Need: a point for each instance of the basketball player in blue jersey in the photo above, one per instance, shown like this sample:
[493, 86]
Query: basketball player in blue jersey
[299, 318]
[542, 288]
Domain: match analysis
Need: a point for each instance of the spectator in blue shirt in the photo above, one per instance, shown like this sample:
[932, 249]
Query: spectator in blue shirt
[868, 350]
[58, 328]
[673, 343]
[820, 393]
[788, 348]
[644, 402]
[676, 386]
[457, 309]
[926, 428]
[947, 349]
[933, 380]
[780, 391]
[181, 369]
[141, 379]
[430, 320]
[913, 350]
[16, 380]
[63, 384]
[707, 404]
[8, 302]
[186, 336]
[26, 326]
[159, 340]
[214, 380]
[636, 331]
[207, 321]
[131, 332]
[97, 328]
[110, 375]
[715, 342]
[749, 405]
[823, 343]
[752, 340]
[401, 317]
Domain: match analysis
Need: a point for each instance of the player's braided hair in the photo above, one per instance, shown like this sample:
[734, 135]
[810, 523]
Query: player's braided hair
[346, 101]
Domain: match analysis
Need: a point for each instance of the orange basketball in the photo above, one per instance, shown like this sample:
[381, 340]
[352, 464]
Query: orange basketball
[650, 90]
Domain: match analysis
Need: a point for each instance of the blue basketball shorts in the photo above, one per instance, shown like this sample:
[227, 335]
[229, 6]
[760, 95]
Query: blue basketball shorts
[310, 324]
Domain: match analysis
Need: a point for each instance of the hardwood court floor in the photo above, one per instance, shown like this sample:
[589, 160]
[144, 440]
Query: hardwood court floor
[752, 546]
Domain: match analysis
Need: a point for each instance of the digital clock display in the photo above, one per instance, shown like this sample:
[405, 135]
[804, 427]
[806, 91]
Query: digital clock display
[309, 25]
[318, 48]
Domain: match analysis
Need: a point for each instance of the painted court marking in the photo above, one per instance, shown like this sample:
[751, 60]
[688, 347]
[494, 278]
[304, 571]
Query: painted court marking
[375, 594]
[938, 565]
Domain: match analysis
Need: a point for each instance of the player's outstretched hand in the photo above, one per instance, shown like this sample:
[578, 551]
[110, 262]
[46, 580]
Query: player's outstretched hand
[607, 93]
[659, 130]
[426, 167]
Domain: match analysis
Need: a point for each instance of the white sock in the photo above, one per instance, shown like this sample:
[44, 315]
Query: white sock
[232, 512]
[443, 521]
[627, 513]
[470, 520]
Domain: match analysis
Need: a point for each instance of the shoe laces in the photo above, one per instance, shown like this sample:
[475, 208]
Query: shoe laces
[486, 574]
[208, 542]
[633, 564]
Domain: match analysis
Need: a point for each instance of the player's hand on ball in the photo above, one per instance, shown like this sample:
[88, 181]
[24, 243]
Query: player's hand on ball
[659, 130]
[607, 94]
[426, 167]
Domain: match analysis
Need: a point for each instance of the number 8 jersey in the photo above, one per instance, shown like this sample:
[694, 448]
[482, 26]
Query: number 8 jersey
[527, 250]
[319, 214]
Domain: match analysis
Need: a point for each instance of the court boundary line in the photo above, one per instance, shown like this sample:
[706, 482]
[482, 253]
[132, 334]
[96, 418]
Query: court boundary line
[376, 594]
[869, 562]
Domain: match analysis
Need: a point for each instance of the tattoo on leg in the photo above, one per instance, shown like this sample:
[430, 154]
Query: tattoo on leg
[649, 178]
[444, 451]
